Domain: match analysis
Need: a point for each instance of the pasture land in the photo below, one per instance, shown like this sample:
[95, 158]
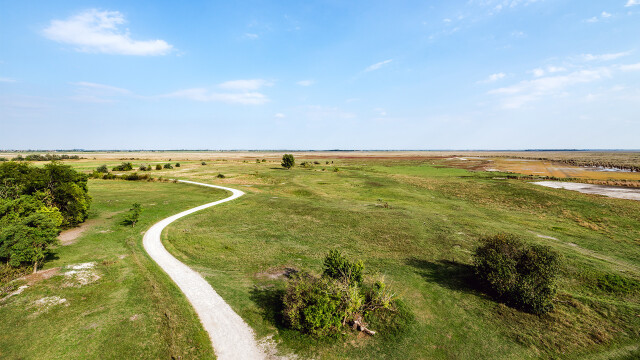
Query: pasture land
[410, 218]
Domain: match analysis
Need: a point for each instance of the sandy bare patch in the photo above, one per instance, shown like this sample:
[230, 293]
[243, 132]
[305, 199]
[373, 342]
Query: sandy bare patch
[277, 273]
[135, 317]
[610, 191]
[70, 236]
[17, 292]
[44, 304]
[40, 275]
[80, 275]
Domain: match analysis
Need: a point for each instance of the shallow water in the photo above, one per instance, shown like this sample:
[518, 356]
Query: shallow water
[619, 192]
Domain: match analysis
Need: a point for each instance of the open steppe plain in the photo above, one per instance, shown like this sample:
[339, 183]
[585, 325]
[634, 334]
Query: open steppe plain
[413, 217]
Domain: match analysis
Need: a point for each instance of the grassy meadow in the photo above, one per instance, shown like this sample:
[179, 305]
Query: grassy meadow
[412, 221]
[132, 310]
[417, 224]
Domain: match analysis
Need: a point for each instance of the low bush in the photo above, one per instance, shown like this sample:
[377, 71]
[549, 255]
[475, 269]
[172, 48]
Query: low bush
[613, 283]
[168, 166]
[102, 169]
[177, 164]
[340, 299]
[132, 217]
[522, 276]
[220, 176]
[288, 161]
[125, 166]
[203, 163]
[158, 167]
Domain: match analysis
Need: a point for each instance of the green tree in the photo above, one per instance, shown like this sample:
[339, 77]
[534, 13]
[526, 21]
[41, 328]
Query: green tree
[288, 161]
[133, 216]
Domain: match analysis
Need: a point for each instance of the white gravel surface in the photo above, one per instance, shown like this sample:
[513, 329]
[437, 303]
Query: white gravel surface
[230, 336]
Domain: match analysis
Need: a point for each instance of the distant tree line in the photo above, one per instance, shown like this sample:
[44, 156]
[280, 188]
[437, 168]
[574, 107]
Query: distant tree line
[45, 157]
[35, 204]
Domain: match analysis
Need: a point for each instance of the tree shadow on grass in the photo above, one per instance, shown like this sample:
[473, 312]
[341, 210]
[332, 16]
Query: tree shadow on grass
[269, 301]
[449, 274]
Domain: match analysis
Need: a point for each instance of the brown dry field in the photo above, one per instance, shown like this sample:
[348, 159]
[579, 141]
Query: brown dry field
[521, 162]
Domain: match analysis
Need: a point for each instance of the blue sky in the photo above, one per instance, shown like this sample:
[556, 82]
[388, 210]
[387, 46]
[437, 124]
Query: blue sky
[474, 74]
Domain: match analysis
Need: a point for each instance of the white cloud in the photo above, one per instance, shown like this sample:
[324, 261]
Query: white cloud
[279, 116]
[632, 3]
[494, 77]
[98, 31]
[102, 88]
[251, 36]
[380, 111]
[377, 66]
[204, 95]
[527, 91]
[630, 67]
[249, 84]
[604, 57]
[538, 72]
[7, 80]
[98, 93]
[306, 82]
[605, 15]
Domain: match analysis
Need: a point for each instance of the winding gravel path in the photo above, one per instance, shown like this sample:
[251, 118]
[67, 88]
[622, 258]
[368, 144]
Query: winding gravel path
[230, 336]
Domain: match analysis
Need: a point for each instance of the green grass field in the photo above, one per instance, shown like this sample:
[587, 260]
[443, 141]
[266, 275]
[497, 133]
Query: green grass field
[412, 222]
[133, 310]
[421, 242]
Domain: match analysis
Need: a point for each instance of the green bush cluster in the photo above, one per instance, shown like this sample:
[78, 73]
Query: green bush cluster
[326, 306]
[35, 202]
[125, 166]
[132, 217]
[523, 276]
[288, 161]
[45, 157]
[168, 166]
[158, 167]
[102, 169]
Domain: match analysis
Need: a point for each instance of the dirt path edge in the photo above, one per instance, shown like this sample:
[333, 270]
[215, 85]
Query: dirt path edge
[230, 336]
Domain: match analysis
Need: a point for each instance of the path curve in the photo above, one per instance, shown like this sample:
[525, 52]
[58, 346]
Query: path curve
[230, 336]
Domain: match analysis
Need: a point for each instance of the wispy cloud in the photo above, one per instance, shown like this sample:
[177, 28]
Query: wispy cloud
[603, 15]
[632, 3]
[96, 31]
[515, 96]
[604, 57]
[630, 67]
[539, 72]
[279, 116]
[494, 77]
[251, 36]
[98, 93]
[306, 82]
[205, 95]
[245, 85]
[7, 80]
[377, 66]
[102, 87]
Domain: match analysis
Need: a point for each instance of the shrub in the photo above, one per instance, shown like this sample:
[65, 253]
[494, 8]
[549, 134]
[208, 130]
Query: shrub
[158, 167]
[203, 163]
[288, 161]
[522, 276]
[125, 166]
[177, 164]
[613, 283]
[257, 161]
[338, 267]
[324, 306]
[133, 216]
[168, 166]
[102, 169]
[142, 168]
[220, 176]
[335, 169]
[317, 162]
